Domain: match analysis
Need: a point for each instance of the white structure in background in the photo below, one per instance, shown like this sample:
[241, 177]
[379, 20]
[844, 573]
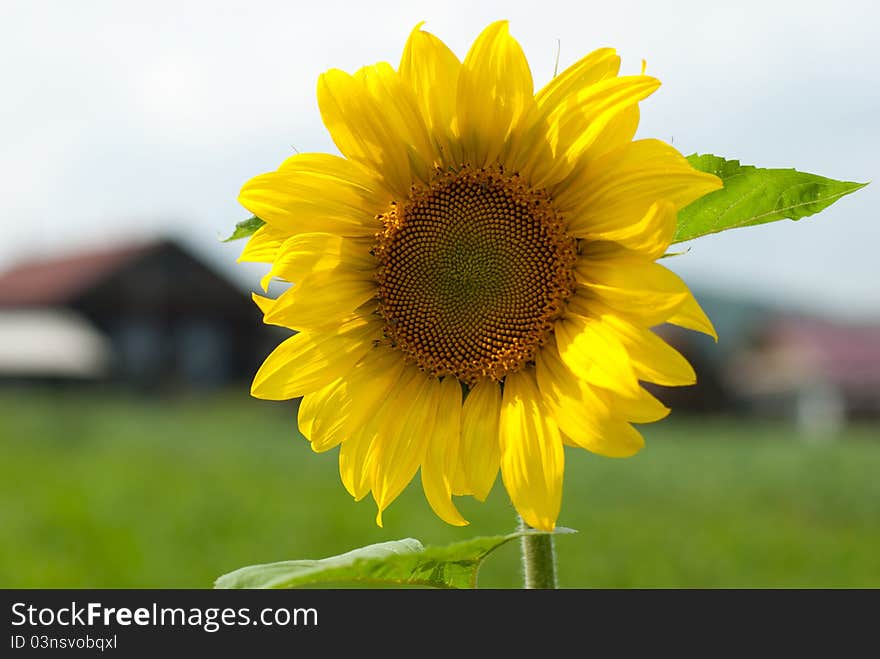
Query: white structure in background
[50, 343]
[820, 410]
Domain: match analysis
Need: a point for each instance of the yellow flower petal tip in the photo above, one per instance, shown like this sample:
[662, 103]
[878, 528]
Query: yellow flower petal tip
[474, 278]
[265, 304]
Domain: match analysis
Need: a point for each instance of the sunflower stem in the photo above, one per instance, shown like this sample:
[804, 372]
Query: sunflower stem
[538, 559]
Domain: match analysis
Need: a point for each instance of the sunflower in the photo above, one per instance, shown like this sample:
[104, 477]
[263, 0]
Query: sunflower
[474, 279]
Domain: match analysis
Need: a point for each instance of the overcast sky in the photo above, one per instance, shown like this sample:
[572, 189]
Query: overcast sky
[122, 120]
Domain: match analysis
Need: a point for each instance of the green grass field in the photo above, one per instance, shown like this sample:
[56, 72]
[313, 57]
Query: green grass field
[112, 491]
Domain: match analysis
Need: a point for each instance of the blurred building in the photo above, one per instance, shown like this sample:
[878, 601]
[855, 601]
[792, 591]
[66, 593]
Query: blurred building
[151, 315]
[815, 372]
[818, 372]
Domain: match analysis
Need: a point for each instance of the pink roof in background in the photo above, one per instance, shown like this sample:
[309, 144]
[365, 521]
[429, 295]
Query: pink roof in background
[848, 355]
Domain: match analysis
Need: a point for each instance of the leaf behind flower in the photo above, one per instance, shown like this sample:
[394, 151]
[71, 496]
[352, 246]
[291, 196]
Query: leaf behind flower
[245, 228]
[753, 195]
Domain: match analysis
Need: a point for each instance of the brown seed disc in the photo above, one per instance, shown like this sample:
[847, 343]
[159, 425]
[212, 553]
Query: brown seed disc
[474, 271]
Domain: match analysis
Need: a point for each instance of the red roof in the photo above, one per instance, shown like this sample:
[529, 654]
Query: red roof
[59, 281]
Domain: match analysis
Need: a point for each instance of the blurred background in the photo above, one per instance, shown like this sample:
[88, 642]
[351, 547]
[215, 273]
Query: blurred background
[132, 454]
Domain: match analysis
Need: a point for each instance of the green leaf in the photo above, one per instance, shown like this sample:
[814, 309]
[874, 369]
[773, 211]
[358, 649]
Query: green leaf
[245, 228]
[752, 195]
[396, 563]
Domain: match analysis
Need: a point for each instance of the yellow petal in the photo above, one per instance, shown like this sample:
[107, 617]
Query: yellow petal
[587, 124]
[643, 292]
[494, 90]
[615, 191]
[431, 70]
[305, 253]
[479, 453]
[650, 236]
[398, 103]
[592, 350]
[263, 245]
[590, 69]
[308, 361]
[640, 407]
[635, 288]
[620, 127]
[374, 387]
[535, 151]
[441, 457]
[577, 129]
[373, 118]
[532, 460]
[652, 358]
[372, 380]
[585, 416]
[353, 469]
[336, 412]
[264, 304]
[575, 407]
[373, 411]
[316, 192]
[323, 414]
[321, 299]
[643, 307]
[400, 444]
[692, 316]
[336, 167]
[615, 439]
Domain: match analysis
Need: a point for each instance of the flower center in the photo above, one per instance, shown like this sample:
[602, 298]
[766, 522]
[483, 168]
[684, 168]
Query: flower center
[474, 270]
